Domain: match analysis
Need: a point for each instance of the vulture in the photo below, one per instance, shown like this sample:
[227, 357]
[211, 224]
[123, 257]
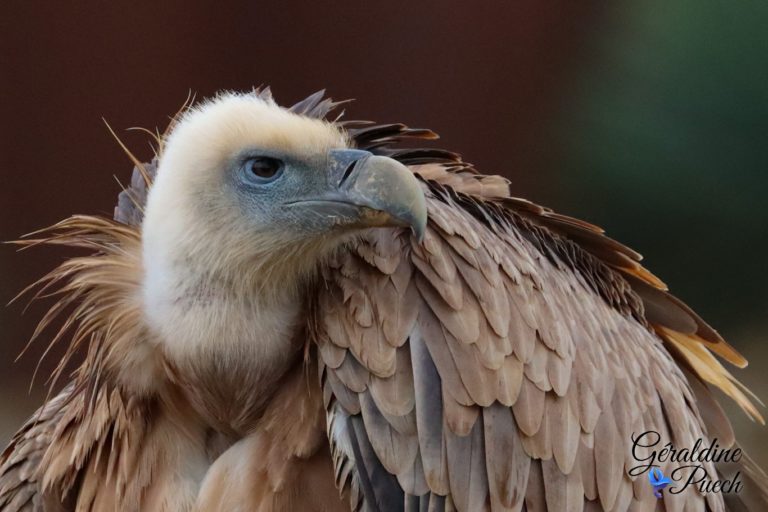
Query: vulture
[294, 312]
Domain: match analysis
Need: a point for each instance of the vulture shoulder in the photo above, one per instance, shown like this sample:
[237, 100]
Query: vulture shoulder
[507, 361]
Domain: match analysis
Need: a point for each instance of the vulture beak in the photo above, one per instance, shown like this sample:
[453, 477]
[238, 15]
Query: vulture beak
[368, 190]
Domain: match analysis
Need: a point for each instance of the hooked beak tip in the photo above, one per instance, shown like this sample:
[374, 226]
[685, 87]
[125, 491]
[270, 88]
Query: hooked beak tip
[367, 191]
[419, 226]
[387, 186]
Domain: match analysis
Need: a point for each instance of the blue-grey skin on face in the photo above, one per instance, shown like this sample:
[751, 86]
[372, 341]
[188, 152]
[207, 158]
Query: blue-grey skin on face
[347, 188]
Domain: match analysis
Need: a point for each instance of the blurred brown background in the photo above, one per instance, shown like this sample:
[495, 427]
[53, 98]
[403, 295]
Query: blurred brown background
[647, 118]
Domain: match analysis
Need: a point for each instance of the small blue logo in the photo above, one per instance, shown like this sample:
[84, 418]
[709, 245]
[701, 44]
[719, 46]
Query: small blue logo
[658, 481]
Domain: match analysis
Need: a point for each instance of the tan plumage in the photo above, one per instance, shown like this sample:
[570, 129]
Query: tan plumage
[501, 362]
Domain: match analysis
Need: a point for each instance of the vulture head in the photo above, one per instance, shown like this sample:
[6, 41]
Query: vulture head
[248, 200]
[244, 186]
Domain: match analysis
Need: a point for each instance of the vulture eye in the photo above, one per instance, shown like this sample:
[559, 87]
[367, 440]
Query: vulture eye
[263, 169]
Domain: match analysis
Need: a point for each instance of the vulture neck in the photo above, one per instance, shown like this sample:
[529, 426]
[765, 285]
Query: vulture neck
[217, 332]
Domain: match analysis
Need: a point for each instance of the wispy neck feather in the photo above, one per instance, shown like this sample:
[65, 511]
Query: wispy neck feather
[104, 290]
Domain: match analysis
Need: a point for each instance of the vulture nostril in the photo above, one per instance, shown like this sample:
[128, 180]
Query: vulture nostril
[348, 172]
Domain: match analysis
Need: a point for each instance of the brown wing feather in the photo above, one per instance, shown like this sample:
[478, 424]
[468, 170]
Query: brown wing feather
[20, 486]
[75, 446]
[508, 306]
[508, 311]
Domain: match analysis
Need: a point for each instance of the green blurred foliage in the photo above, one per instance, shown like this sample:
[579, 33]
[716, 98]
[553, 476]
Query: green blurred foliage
[666, 146]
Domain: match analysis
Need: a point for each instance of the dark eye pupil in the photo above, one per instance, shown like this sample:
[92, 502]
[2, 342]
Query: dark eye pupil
[265, 167]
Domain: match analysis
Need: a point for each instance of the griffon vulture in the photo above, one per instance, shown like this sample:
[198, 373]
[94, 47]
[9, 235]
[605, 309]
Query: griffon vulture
[297, 313]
